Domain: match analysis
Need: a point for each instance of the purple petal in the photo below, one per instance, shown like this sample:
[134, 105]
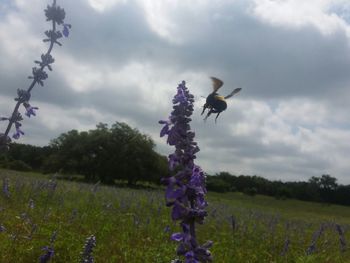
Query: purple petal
[65, 30]
[177, 237]
[164, 130]
[178, 211]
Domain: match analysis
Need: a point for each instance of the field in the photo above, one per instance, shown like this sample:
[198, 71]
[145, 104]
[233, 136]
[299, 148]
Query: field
[133, 225]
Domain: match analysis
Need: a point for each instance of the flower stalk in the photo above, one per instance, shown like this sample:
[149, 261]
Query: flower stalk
[56, 15]
[185, 190]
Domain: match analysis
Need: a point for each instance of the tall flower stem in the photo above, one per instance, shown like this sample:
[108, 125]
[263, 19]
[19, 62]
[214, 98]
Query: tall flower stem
[56, 15]
[185, 190]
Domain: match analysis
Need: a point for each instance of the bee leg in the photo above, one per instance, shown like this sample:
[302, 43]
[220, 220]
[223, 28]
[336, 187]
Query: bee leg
[208, 114]
[217, 116]
[204, 108]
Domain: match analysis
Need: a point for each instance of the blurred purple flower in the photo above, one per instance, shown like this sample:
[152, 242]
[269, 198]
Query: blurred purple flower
[185, 190]
[29, 109]
[5, 187]
[86, 255]
[18, 132]
[66, 28]
[167, 229]
[341, 234]
[47, 256]
[312, 248]
[285, 247]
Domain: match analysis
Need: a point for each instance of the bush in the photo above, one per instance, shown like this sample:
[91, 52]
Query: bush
[251, 191]
[217, 184]
[19, 166]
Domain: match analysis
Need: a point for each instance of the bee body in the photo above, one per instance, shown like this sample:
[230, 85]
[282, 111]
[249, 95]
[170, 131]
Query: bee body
[216, 103]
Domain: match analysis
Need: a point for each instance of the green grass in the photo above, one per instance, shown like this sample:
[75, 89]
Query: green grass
[129, 224]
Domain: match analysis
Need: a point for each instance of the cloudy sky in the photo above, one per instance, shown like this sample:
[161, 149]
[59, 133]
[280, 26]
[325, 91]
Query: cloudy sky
[125, 58]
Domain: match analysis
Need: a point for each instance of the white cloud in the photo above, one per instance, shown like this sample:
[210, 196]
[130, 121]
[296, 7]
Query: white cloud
[296, 14]
[104, 5]
[178, 21]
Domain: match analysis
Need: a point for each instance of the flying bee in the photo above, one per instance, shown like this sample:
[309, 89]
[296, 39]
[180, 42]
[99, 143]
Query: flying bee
[214, 102]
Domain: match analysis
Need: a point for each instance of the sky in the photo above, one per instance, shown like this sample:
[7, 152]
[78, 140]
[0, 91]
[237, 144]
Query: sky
[124, 59]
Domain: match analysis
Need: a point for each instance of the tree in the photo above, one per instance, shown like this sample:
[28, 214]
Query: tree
[326, 186]
[107, 154]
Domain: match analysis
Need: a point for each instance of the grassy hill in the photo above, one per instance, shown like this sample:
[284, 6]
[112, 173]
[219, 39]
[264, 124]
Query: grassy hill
[133, 225]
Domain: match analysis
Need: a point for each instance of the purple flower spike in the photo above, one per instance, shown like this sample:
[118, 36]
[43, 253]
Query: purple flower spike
[86, 255]
[185, 190]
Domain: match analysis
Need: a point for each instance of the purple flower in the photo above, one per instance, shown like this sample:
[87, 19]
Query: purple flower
[86, 255]
[18, 132]
[5, 187]
[29, 109]
[66, 28]
[47, 256]
[341, 234]
[185, 190]
[166, 229]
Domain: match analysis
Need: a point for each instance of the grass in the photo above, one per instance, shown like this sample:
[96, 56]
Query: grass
[130, 224]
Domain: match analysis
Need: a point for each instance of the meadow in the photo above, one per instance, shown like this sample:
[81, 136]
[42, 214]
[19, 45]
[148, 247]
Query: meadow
[133, 225]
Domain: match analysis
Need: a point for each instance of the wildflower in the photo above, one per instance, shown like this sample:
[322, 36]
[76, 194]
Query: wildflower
[342, 241]
[167, 229]
[18, 132]
[5, 187]
[312, 248]
[29, 109]
[185, 190]
[47, 256]
[285, 247]
[55, 13]
[66, 28]
[86, 255]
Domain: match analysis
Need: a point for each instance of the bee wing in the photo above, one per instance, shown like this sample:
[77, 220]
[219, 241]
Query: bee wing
[217, 83]
[233, 93]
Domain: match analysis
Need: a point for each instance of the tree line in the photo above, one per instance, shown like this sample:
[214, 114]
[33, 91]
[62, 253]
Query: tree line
[317, 189]
[120, 152]
[103, 154]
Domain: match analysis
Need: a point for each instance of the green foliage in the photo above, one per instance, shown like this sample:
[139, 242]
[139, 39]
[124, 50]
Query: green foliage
[107, 154]
[318, 189]
[18, 165]
[130, 224]
[217, 184]
[251, 191]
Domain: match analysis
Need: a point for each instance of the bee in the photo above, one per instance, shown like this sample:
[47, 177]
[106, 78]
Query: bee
[214, 102]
